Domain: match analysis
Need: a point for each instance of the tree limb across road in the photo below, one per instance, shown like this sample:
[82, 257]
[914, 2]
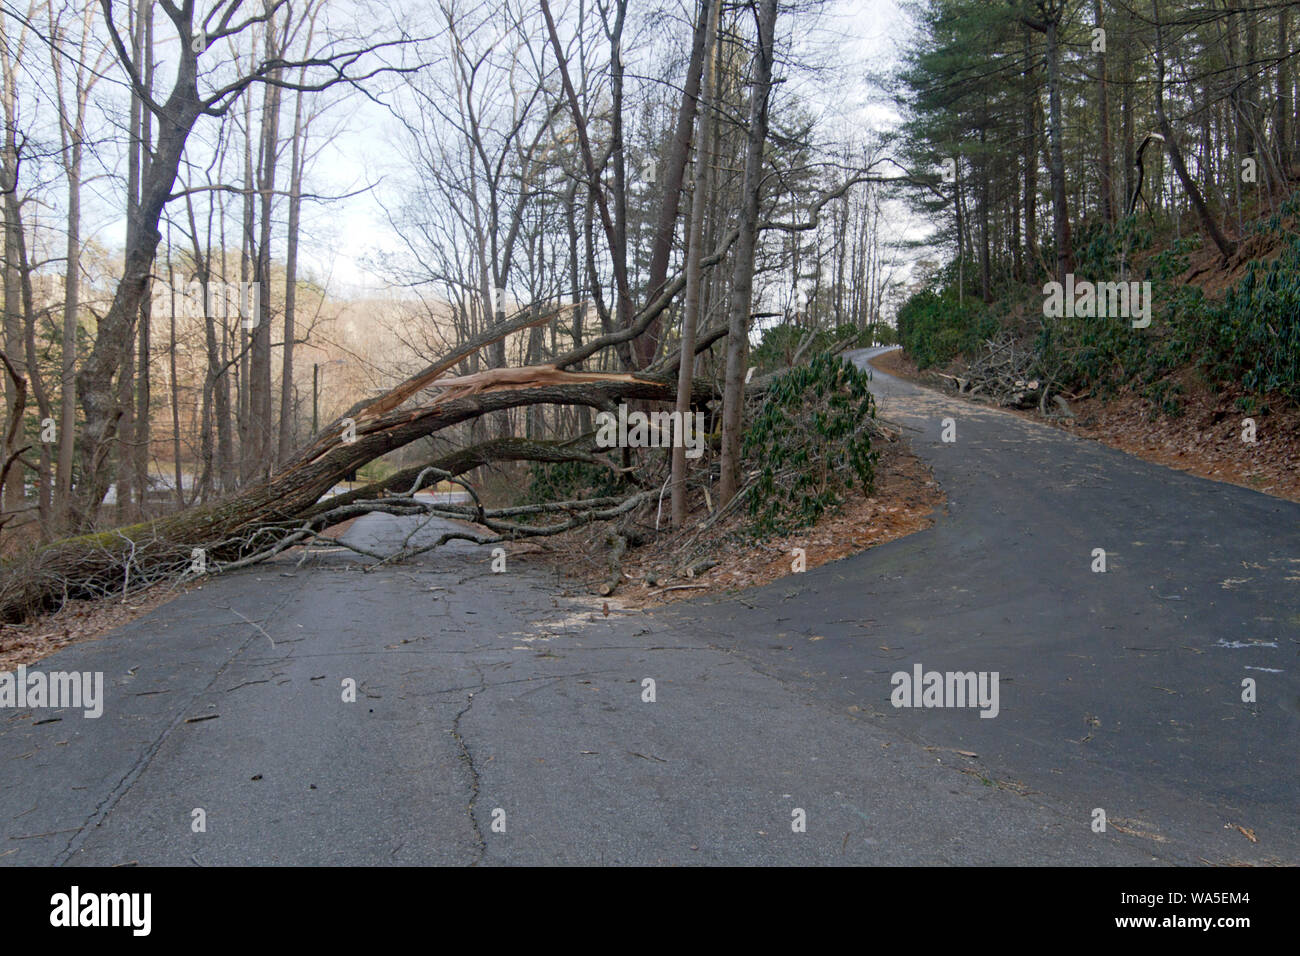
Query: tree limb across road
[283, 511]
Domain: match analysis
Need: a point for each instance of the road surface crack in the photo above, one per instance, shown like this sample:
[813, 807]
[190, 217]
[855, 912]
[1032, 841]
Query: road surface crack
[105, 806]
[467, 758]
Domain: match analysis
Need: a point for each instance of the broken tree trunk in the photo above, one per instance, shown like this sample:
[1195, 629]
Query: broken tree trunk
[465, 460]
[117, 560]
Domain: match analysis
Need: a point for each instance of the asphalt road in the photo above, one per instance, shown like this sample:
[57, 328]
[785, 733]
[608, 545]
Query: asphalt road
[495, 722]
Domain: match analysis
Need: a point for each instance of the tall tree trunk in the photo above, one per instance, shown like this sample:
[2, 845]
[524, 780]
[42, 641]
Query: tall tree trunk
[1225, 246]
[287, 409]
[71, 308]
[1103, 103]
[143, 426]
[742, 288]
[694, 278]
[1032, 108]
[260, 371]
[114, 337]
[986, 279]
[226, 410]
[958, 212]
[1128, 145]
[72, 137]
[44, 483]
[674, 172]
[576, 316]
[124, 483]
[1233, 53]
[1060, 210]
[13, 317]
[247, 251]
[178, 472]
[618, 157]
[1250, 94]
[1017, 254]
[1282, 115]
[143, 397]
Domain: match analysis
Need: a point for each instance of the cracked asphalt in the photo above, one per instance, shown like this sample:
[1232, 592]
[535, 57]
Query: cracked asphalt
[495, 722]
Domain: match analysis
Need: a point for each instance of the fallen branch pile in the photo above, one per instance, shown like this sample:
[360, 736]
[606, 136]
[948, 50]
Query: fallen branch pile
[1001, 374]
[1005, 373]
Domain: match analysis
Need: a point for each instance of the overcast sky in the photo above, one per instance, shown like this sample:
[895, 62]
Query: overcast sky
[863, 35]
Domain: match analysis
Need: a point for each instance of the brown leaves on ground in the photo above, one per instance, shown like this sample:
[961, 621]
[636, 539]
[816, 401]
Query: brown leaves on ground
[1248, 833]
[1206, 440]
[76, 621]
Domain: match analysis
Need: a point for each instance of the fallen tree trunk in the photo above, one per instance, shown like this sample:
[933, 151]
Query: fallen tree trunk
[249, 523]
[465, 460]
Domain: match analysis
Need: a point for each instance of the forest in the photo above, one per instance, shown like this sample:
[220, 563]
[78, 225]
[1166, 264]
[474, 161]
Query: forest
[592, 203]
[1110, 142]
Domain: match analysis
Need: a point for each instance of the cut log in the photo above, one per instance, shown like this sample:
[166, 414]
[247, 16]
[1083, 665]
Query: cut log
[618, 547]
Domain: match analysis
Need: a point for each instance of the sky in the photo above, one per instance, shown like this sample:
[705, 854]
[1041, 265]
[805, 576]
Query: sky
[863, 34]
[360, 155]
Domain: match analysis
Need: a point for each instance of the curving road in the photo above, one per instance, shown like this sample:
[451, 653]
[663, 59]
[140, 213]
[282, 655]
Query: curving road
[495, 722]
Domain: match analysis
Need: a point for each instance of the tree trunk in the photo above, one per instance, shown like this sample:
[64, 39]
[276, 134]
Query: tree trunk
[1250, 94]
[674, 173]
[71, 308]
[1282, 107]
[13, 317]
[1129, 145]
[1060, 210]
[100, 563]
[178, 472]
[260, 407]
[1032, 108]
[742, 288]
[694, 278]
[143, 426]
[1225, 246]
[986, 279]
[44, 483]
[287, 410]
[114, 337]
[247, 252]
[1103, 98]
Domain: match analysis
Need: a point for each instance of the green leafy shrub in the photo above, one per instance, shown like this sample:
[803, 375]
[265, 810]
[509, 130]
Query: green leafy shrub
[811, 441]
[881, 333]
[934, 328]
[568, 481]
[1104, 353]
[1253, 336]
[1248, 341]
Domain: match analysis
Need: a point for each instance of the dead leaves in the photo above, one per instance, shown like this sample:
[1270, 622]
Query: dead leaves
[1248, 833]
[903, 503]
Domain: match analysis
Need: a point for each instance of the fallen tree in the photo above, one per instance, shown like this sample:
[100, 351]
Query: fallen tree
[286, 510]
